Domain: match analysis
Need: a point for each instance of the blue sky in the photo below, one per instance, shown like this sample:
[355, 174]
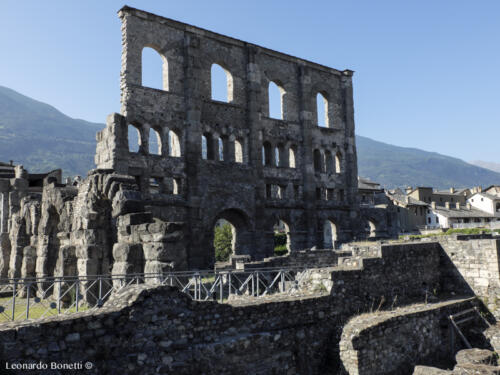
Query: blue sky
[427, 72]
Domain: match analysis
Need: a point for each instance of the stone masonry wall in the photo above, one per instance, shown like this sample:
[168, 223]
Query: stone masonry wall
[231, 160]
[161, 329]
[393, 342]
[472, 265]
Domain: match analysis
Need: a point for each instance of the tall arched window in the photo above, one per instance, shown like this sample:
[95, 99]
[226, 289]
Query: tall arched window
[174, 143]
[322, 110]
[133, 138]
[338, 162]
[154, 69]
[154, 142]
[238, 152]
[275, 101]
[222, 84]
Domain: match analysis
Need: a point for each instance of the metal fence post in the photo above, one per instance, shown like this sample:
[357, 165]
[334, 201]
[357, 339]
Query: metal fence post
[59, 296]
[28, 301]
[221, 290]
[77, 294]
[14, 291]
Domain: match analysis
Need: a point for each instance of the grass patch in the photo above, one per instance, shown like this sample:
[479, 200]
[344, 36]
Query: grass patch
[41, 309]
[450, 232]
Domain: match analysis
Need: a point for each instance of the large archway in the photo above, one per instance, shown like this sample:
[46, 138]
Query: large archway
[329, 234]
[230, 235]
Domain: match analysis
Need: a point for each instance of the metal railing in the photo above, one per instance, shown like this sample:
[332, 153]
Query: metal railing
[33, 298]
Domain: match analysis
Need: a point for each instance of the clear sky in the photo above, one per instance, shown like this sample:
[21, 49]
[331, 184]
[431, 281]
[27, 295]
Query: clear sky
[427, 71]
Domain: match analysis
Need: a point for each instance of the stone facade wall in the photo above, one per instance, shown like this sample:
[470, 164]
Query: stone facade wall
[394, 342]
[303, 190]
[471, 263]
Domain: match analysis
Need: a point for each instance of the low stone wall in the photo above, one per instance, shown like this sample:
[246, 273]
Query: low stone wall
[394, 342]
[160, 330]
[302, 258]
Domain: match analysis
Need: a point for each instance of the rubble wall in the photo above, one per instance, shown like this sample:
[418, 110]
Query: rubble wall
[392, 343]
[155, 328]
[472, 264]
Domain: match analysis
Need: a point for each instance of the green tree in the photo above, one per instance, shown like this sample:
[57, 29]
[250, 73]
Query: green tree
[223, 239]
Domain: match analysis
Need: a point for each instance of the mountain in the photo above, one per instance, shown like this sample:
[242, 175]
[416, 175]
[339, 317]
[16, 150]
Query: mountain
[41, 138]
[487, 164]
[394, 166]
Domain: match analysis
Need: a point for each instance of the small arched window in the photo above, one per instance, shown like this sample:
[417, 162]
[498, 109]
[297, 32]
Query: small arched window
[133, 138]
[318, 161]
[291, 157]
[222, 84]
[330, 167]
[275, 101]
[204, 147]
[322, 110]
[154, 142]
[338, 162]
[238, 152]
[174, 143]
[267, 154]
[154, 69]
[221, 149]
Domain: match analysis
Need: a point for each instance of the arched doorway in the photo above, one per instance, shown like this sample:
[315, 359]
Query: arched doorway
[281, 238]
[230, 235]
[224, 240]
[329, 234]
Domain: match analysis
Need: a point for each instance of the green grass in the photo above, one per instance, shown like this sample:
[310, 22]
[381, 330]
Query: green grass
[450, 232]
[37, 310]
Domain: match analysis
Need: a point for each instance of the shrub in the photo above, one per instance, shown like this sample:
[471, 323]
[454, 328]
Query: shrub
[280, 244]
[223, 238]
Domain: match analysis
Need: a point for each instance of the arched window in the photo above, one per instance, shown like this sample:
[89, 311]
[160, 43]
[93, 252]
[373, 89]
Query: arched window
[174, 143]
[221, 149]
[372, 227]
[133, 138]
[176, 186]
[330, 167]
[207, 146]
[329, 234]
[291, 157]
[275, 101]
[282, 240]
[204, 147]
[154, 142]
[238, 152]
[338, 162]
[222, 84]
[267, 154]
[318, 161]
[322, 110]
[154, 69]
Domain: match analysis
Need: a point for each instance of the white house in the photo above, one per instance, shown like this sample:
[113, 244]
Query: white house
[458, 216]
[486, 202]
